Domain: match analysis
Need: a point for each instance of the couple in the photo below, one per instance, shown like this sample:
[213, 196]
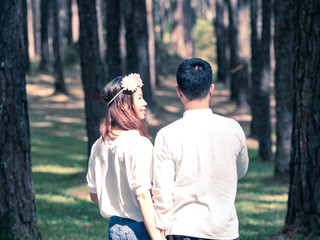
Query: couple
[191, 172]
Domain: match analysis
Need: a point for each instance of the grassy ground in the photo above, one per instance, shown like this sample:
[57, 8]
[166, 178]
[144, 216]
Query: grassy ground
[59, 159]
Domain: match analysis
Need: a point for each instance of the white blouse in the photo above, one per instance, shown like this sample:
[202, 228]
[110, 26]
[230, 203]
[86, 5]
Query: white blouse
[119, 171]
[197, 162]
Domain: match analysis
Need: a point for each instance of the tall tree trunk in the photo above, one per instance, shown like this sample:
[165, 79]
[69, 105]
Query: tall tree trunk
[32, 28]
[223, 49]
[303, 215]
[113, 38]
[181, 36]
[24, 10]
[101, 19]
[260, 98]
[44, 20]
[283, 41]
[92, 69]
[59, 83]
[69, 22]
[151, 45]
[239, 51]
[137, 45]
[17, 201]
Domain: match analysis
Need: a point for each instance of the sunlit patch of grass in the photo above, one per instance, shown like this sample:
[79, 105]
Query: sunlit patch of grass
[56, 198]
[57, 169]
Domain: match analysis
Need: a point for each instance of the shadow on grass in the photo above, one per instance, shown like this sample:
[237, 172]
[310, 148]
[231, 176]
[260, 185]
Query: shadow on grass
[63, 217]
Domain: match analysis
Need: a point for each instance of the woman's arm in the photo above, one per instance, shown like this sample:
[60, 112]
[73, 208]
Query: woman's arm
[94, 198]
[146, 207]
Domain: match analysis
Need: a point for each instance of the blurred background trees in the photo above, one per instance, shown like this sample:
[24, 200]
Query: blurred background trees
[263, 48]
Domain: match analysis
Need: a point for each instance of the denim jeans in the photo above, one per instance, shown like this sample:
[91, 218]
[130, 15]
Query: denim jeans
[127, 229]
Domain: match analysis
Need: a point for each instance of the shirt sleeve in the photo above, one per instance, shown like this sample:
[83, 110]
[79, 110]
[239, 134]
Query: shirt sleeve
[163, 182]
[243, 158]
[139, 166]
[91, 177]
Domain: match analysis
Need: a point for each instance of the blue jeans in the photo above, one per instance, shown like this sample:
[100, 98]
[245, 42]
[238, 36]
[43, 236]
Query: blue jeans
[124, 228]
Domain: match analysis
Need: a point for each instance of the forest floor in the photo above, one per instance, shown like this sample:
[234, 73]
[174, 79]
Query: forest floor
[59, 161]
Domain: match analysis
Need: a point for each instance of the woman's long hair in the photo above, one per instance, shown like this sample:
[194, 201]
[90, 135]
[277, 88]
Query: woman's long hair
[121, 113]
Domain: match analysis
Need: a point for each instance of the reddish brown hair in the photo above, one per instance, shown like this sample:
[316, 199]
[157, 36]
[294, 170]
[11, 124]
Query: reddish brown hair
[121, 113]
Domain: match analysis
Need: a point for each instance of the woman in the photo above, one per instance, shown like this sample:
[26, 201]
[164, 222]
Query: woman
[119, 172]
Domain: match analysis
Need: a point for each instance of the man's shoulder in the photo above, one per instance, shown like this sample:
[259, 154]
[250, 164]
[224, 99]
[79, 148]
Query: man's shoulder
[171, 127]
[226, 120]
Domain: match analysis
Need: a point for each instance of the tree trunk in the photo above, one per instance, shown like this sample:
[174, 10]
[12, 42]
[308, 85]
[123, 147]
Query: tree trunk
[101, 19]
[260, 98]
[303, 215]
[181, 36]
[69, 22]
[223, 49]
[92, 69]
[137, 45]
[17, 201]
[239, 51]
[283, 40]
[24, 10]
[59, 83]
[113, 38]
[151, 45]
[44, 20]
[32, 28]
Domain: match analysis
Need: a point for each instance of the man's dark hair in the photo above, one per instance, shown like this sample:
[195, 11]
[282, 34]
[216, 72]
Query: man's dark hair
[194, 78]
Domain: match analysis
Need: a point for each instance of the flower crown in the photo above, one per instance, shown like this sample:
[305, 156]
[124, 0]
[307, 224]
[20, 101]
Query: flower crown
[129, 83]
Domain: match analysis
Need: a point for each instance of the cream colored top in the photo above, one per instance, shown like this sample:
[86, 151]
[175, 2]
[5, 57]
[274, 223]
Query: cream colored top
[119, 171]
[198, 160]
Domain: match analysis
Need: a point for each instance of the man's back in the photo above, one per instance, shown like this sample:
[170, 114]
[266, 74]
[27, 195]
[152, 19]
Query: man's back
[198, 160]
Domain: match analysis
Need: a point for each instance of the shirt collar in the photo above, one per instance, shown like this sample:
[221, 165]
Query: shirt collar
[197, 112]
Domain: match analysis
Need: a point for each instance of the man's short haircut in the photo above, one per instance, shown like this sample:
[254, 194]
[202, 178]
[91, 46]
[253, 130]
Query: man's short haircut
[194, 78]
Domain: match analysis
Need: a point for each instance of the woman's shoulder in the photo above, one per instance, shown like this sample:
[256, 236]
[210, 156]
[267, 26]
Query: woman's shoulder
[133, 138]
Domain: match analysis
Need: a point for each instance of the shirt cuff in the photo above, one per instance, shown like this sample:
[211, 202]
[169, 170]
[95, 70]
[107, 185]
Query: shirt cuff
[142, 189]
[92, 190]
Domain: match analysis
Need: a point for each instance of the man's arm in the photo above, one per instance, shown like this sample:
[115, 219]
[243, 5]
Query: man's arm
[163, 182]
[243, 158]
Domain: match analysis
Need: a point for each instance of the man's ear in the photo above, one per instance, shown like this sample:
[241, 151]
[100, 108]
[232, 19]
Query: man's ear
[211, 90]
[179, 92]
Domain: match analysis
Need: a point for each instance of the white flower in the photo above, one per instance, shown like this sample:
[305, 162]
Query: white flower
[131, 82]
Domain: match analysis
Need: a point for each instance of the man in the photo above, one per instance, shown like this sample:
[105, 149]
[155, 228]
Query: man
[198, 160]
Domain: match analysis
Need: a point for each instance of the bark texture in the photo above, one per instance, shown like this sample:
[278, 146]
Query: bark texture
[303, 215]
[181, 36]
[92, 69]
[239, 51]
[59, 82]
[44, 35]
[260, 90]
[221, 24]
[113, 38]
[137, 45]
[284, 54]
[17, 201]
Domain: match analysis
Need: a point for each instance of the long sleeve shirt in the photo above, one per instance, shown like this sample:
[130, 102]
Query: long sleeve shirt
[198, 160]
